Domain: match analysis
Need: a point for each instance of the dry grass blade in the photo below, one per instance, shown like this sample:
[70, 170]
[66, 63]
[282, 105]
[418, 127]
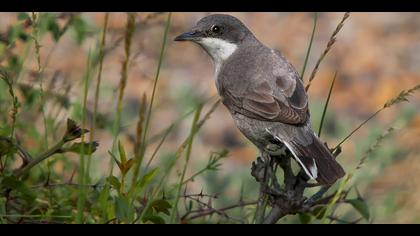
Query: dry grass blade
[15, 107]
[139, 142]
[130, 28]
[140, 123]
[374, 147]
[333, 38]
[402, 97]
[127, 45]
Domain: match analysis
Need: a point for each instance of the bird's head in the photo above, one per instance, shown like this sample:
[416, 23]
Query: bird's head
[220, 35]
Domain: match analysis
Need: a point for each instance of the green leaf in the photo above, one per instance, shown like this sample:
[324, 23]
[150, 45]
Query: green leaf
[6, 148]
[361, 206]
[148, 177]
[124, 210]
[81, 29]
[82, 148]
[305, 218]
[114, 182]
[54, 29]
[104, 196]
[11, 182]
[161, 206]
[123, 156]
[14, 32]
[23, 16]
[154, 219]
[120, 165]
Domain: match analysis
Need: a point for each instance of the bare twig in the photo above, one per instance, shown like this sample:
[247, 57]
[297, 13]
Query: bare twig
[212, 211]
[275, 214]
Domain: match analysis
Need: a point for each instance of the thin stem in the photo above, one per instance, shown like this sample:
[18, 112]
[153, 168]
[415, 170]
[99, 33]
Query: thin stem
[327, 49]
[26, 157]
[123, 82]
[39, 74]
[358, 127]
[212, 211]
[82, 169]
[167, 132]
[98, 85]
[187, 159]
[152, 99]
[40, 158]
[326, 105]
[308, 52]
[99, 78]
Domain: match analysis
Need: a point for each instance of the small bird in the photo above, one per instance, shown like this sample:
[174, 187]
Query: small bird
[264, 94]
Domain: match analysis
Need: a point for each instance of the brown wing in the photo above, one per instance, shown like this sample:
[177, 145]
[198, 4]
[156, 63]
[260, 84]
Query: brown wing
[279, 96]
[264, 86]
[261, 102]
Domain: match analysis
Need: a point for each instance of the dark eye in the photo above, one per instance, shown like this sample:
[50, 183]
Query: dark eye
[215, 29]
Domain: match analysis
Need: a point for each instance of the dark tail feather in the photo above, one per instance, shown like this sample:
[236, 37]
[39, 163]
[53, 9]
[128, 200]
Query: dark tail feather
[327, 170]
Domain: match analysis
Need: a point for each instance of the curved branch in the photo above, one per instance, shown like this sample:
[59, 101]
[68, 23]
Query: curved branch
[26, 157]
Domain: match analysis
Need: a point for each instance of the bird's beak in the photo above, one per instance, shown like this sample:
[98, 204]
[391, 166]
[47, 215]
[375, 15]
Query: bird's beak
[189, 36]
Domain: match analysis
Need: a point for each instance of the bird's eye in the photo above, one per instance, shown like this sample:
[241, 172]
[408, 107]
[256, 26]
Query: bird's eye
[215, 29]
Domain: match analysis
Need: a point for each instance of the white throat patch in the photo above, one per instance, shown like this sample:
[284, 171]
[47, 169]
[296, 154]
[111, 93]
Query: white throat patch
[218, 49]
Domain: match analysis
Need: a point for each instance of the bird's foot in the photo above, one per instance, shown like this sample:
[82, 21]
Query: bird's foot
[258, 169]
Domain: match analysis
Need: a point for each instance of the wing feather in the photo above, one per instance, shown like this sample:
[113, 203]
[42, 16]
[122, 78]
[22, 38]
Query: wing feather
[275, 94]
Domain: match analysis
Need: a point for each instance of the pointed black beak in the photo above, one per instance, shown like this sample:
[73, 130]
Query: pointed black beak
[189, 36]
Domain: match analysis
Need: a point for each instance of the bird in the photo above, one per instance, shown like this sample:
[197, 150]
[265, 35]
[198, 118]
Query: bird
[264, 95]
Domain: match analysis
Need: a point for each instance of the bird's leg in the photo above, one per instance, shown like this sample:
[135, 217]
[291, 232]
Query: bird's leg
[259, 167]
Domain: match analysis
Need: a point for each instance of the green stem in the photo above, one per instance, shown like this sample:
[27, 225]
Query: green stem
[181, 148]
[326, 105]
[358, 127]
[149, 114]
[309, 46]
[40, 76]
[98, 85]
[82, 171]
[187, 159]
[40, 158]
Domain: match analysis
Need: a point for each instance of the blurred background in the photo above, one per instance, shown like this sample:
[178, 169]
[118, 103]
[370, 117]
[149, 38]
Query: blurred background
[376, 56]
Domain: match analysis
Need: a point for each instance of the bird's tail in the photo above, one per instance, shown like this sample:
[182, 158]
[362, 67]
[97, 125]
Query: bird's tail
[317, 161]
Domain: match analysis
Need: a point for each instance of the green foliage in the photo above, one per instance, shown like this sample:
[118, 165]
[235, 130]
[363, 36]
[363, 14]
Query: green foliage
[361, 206]
[80, 28]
